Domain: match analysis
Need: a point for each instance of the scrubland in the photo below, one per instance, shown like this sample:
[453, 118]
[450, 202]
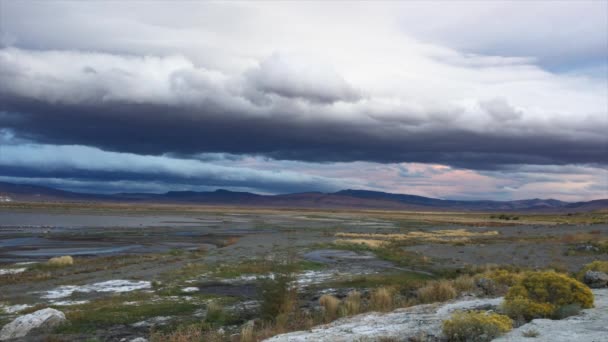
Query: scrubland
[228, 274]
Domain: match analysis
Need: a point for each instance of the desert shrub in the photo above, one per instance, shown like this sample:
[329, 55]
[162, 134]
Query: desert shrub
[475, 326]
[530, 333]
[352, 303]
[503, 277]
[277, 296]
[215, 313]
[496, 281]
[247, 334]
[464, 283]
[436, 291]
[597, 265]
[330, 306]
[542, 294]
[61, 261]
[188, 333]
[381, 299]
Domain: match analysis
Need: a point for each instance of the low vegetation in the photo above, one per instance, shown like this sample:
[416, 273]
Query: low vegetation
[111, 311]
[436, 291]
[545, 295]
[597, 265]
[476, 326]
[505, 217]
[330, 306]
[61, 261]
[433, 236]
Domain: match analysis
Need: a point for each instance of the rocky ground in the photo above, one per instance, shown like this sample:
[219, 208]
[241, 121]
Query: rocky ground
[423, 323]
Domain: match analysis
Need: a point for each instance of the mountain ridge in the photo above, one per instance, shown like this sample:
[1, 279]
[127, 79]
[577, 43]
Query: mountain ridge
[348, 198]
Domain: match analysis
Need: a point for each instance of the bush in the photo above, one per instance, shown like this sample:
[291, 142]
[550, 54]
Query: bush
[476, 326]
[464, 283]
[597, 265]
[497, 281]
[330, 307]
[381, 299]
[215, 313]
[352, 303]
[436, 291]
[247, 333]
[61, 261]
[530, 333]
[277, 296]
[542, 294]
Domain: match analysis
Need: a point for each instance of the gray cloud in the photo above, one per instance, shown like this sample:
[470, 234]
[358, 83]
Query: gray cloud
[500, 110]
[151, 105]
[298, 78]
[214, 83]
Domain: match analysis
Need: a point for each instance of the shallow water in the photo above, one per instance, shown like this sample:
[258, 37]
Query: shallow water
[83, 251]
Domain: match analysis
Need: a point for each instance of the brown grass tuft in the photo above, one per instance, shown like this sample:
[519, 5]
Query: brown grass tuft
[61, 261]
[381, 299]
[352, 303]
[436, 291]
[330, 306]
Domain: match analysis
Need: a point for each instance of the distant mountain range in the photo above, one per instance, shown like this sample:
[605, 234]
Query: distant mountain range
[359, 199]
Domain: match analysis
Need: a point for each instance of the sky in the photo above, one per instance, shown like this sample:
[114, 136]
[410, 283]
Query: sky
[456, 100]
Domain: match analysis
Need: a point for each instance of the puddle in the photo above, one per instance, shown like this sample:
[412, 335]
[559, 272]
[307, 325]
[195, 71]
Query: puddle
[24, 242]
[232, 290]
[328, 256]
[308, 278]
[82, 251]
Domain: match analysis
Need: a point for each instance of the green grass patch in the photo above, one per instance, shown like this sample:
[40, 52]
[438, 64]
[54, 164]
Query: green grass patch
[390, 252]
[403, 281]
[112, 311]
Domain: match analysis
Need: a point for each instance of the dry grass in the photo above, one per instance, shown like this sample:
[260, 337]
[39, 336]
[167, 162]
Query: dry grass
[579, 237]
[229, 241]
[352, 303]
[464, 283]
[188, 334]
[381, 299]
[61, 261]
[436, 291]
[367, 242]
[191, 333]
[330, 306]
[437, 236]
[247, 333]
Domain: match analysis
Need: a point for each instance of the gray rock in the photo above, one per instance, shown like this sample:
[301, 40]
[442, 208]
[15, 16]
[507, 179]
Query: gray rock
[35, 322]
[596, 279]
[587, 248]
[416, 323]
[139, 339]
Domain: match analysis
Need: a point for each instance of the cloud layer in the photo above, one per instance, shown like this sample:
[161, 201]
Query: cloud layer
[161, 85]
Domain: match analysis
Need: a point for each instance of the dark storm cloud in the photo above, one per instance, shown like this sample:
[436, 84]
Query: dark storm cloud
[27, 161]
[158, 129]
[282, 109]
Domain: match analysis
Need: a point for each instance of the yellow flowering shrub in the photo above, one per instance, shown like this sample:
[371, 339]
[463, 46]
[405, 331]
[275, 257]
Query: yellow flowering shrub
[503, 277]
[597, 265]
[476, 326]
[542, 294]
